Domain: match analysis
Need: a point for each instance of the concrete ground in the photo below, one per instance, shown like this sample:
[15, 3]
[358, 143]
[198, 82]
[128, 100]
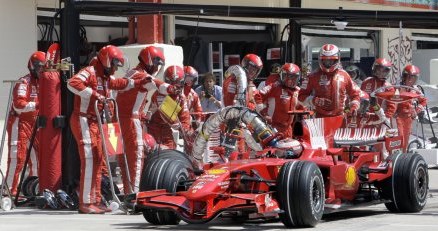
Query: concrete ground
[364, 218]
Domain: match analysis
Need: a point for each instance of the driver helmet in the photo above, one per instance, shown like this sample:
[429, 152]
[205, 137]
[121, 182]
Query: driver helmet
[329, 58]
[410, 75]
[252, 64]
[289, 148]
[381, 68]
[290, 75]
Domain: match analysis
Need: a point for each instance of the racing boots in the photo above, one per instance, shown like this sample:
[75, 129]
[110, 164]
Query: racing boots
[90, 209]
[103, 207]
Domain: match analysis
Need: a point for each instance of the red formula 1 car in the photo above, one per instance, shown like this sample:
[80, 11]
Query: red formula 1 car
[326, 168]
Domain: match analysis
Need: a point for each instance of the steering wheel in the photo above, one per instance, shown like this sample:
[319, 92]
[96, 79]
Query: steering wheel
[397, 93]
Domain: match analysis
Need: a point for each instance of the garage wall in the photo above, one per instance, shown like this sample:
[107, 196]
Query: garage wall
[17, 42]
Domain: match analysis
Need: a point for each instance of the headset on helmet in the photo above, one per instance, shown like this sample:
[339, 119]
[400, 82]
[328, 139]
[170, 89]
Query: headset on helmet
[151, 57]
[410, 75]
[110, 57]
[252, 64]
[190, 75]
[329, 58]
[174, 75]
[290, 75]
[381, 68]
[36, 62]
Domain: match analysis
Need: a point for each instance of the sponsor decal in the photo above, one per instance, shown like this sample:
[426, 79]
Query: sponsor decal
[224, 184]
[350, 176]
[198, 186]
[34, 92]
[22, 90]
[323, 80]
[395, 143]
[216, 171]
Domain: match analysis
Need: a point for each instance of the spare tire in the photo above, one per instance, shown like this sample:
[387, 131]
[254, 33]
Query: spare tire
[164, 173]
[34, 187]
[25, 186]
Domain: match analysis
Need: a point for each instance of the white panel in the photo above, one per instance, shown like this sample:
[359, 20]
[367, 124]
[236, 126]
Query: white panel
[427, 61]
[433, 71]
[172, 54]
[18, 41]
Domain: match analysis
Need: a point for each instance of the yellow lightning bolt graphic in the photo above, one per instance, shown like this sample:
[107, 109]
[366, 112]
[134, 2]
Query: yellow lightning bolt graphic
[112, 136]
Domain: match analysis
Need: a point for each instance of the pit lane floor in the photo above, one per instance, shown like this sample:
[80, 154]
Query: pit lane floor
[364, 218]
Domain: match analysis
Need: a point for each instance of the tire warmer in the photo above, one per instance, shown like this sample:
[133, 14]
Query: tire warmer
[50, 157]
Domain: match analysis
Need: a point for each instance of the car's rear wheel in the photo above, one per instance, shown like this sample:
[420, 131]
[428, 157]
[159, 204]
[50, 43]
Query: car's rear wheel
[300, 194]
[408, 187]
[165, 172]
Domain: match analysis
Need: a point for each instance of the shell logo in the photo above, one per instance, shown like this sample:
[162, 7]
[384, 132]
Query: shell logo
[350, 176]
[217, 171]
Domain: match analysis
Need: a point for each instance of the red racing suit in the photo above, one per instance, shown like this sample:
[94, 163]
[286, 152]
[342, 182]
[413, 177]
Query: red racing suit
[273, 80]
[405, 114]
[369, 85]
[328, 92]
[160, 128]
[193, 103]
[279, 102]
[131, 104]
[89, 84]
[22, 117]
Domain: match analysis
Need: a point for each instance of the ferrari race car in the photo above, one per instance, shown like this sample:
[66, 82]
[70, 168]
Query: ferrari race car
[325, 168]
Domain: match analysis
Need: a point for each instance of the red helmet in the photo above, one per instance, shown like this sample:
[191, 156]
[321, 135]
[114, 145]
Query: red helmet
[36, 62]
[190, 75]
[93, 61]
[151, 57]
[111, 57]
[329, 58]
[410, 75]
[290, 75]
[381, 68]
[252, 64]
[174, 75]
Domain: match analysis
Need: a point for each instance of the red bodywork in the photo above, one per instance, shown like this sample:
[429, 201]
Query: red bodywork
[248, 185]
